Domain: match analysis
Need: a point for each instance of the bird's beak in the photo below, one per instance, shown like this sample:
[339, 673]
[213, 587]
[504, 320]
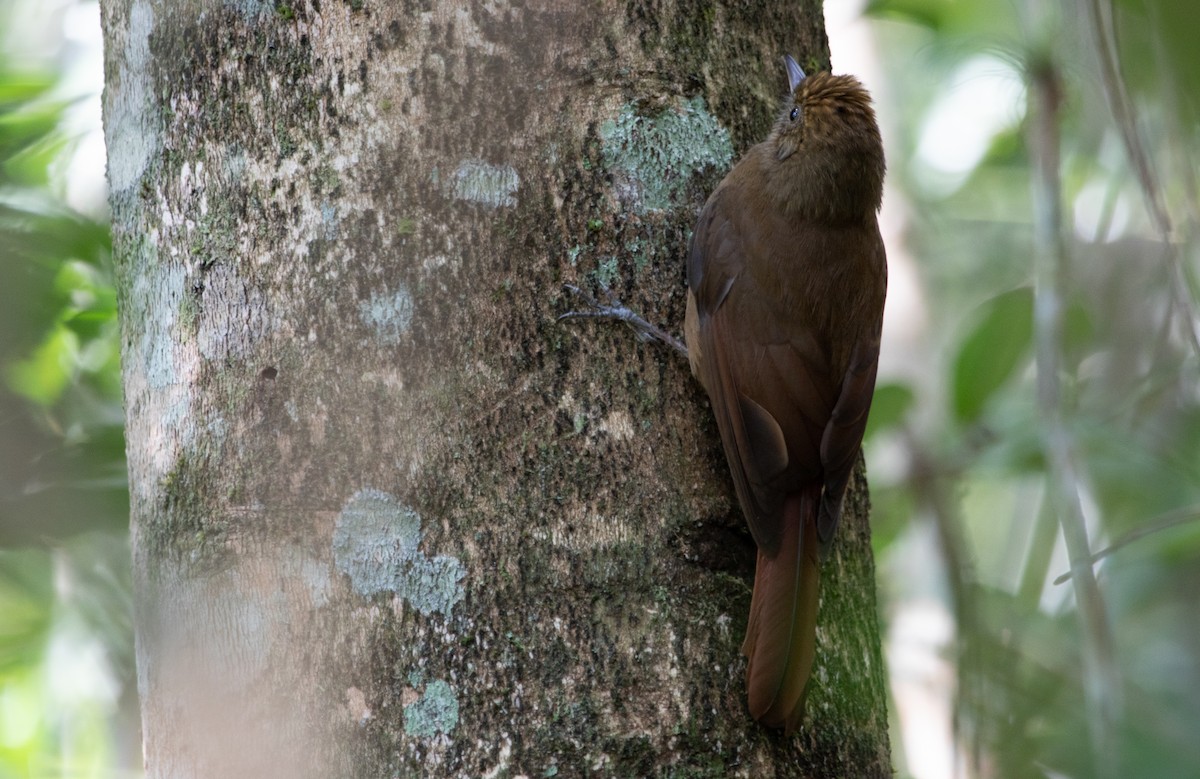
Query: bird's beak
[795, 74]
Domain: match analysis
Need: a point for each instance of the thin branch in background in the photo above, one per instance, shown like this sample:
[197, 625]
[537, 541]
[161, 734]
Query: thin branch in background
[1162, 347]
[1160, 523]
[1169, 92]
[1103, 29]
[1101, 678]
[929, 481]
[1108, 209]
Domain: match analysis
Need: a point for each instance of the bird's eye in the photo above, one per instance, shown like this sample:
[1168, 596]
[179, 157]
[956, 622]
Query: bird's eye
[795, 113]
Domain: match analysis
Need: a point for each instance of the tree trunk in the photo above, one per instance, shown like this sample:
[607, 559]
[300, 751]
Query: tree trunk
[389, 517]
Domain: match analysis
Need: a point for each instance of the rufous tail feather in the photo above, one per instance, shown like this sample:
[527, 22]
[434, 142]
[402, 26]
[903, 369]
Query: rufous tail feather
[781, 637]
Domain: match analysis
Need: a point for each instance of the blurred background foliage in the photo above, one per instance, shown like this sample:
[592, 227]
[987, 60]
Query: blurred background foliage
[67, 700]
[1082, 268]
[1054, 385]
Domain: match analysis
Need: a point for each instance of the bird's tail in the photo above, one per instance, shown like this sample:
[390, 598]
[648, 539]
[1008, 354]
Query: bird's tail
[781, 637]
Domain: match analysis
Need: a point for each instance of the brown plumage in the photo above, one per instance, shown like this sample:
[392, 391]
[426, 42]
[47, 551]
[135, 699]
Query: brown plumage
[786, 283]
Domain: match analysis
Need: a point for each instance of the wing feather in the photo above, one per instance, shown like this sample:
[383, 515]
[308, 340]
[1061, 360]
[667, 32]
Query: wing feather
[790, 410]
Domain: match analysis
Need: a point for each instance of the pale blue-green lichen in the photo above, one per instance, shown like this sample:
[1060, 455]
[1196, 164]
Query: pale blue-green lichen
[652, 158]
[131, 132]
[433, 713]
[608, 272]
[376, 542]
[491, 185]
[158, 345]
[252, 8]
[329, 220]
[388, 314]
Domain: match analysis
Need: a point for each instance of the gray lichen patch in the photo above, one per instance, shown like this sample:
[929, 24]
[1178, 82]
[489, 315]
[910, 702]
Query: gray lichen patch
[652, 158]
[376, 542]
[434, 713]
[388, 314]
[480, 182]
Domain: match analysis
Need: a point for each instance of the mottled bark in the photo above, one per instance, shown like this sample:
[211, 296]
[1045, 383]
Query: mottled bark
[389, 517]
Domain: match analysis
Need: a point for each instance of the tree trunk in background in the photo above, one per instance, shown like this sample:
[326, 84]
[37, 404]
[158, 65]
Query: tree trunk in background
[389, 517]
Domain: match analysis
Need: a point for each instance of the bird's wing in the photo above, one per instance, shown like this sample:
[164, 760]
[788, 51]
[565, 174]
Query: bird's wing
[843, 435]
[769, 383]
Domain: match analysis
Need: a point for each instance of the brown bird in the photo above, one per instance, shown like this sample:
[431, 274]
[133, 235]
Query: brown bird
[786, 283]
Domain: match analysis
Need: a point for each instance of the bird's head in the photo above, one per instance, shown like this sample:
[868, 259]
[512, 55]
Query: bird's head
[827, 128]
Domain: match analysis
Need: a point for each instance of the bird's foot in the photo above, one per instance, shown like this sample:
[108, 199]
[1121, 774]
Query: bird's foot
[614, 310]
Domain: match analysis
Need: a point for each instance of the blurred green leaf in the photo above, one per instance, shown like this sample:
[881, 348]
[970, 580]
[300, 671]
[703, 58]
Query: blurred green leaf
[42, 377]
[892, 402]
[89, 323]
[892, 509]
[992, 351]
[26, 596]
[22, 87]
[926, 13]
[948, 18]
[29, 126]
[32, 164]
